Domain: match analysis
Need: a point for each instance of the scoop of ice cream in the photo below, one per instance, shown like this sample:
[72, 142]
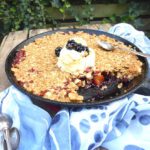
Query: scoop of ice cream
[75, 56]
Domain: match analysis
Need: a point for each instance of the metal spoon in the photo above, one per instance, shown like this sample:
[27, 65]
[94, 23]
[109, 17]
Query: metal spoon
[11, 137]
[5, 125]
[107, 46]
[14, 138]
[2, 146]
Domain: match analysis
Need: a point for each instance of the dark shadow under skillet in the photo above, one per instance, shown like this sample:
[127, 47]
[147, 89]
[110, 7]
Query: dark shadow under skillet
[109, 96]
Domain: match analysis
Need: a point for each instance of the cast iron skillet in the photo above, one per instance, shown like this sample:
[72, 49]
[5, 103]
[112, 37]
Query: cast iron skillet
[134, 85]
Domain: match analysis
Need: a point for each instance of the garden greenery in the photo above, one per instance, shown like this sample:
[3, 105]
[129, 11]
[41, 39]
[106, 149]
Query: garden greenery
[31, 14]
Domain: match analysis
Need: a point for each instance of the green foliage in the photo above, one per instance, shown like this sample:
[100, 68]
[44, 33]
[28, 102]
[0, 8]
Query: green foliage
[135, 11]
[22, 14]
[15, 15]
[65, 7]
[30, 14]
[129, 16]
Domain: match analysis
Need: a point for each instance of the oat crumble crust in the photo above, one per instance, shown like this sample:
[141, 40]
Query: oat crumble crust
[40, 75]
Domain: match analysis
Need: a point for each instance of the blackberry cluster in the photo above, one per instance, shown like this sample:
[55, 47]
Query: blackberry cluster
[57, 51]
[71, 44]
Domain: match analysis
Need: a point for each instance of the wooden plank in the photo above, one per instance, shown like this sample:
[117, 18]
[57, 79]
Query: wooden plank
[94, 27]
[13, 39]
[38, 31]
[67, 26]
[100, 10]
[103, 27]
[3, 41]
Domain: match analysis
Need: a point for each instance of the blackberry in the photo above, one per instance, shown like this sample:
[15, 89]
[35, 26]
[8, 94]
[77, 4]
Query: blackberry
[57, 51]
[79, 48]
[71, 44]
[125, 81]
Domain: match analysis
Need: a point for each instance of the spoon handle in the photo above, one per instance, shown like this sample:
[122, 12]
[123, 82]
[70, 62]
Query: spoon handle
[136, 53]
[141, 54]
[2, 146]
[7, 138]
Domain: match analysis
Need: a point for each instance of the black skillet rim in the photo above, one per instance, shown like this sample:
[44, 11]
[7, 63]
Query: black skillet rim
[11, 77]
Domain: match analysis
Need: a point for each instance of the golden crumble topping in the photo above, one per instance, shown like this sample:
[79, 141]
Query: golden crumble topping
[38, 71]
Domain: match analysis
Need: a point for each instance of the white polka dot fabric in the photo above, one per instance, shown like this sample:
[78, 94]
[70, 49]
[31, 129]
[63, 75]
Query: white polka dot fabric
[121, 125]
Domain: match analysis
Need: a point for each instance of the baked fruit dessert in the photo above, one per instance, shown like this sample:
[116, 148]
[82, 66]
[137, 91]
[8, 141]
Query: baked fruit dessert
[62, 65]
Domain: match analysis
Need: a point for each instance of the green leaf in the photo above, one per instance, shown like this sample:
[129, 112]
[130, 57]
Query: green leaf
[67, 5]
[61, 10]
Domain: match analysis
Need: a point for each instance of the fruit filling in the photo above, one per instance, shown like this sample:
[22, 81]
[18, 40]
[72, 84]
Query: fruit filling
[20, 56]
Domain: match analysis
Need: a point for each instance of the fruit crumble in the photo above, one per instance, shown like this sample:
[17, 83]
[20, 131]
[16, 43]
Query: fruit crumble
[56, 66]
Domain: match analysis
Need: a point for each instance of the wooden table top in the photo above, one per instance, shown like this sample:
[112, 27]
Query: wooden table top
[14, 38]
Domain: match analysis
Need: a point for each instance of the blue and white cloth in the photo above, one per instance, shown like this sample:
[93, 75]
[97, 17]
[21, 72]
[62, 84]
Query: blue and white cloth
[121, 125]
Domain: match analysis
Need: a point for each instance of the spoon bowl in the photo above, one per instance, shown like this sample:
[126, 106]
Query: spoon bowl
[109, 47]
[14, 138]
[11, 135]
[5, 125]
[5, 122]
[106, 46]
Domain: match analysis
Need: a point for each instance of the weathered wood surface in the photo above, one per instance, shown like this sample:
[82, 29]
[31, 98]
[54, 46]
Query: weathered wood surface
[35, 32]
[14, 38]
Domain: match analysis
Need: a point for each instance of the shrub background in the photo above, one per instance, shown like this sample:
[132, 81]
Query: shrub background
[32, 14]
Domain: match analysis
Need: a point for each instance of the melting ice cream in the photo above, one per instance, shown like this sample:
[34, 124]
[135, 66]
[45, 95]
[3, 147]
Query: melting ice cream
[75, 56]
